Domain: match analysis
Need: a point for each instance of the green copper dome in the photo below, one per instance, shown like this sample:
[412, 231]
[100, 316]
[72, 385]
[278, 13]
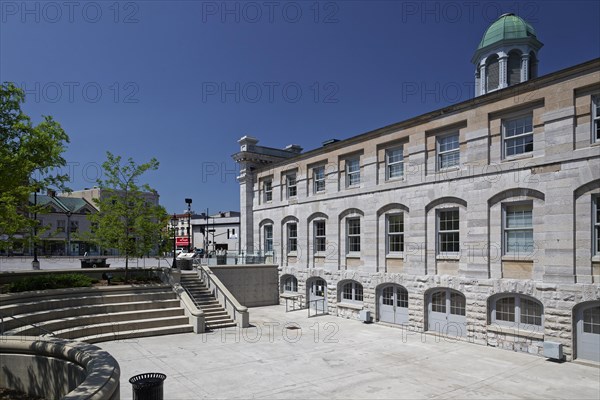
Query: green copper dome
[507, 26]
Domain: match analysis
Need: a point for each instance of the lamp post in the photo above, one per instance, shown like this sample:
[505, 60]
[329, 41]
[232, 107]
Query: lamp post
[68, 213]
[174, 225]
[188, 201]
[35, 264]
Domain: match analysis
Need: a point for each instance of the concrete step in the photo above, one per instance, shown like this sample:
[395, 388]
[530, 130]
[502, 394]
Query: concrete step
[116, 327]
[126, 335]
[216, 317]
[102, 309]
[86, 320]
[221, 325]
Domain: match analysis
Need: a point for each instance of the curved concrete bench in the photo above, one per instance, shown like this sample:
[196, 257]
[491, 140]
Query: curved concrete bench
[58, 368]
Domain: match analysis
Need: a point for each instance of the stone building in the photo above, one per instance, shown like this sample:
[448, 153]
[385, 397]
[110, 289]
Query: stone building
[478, 222]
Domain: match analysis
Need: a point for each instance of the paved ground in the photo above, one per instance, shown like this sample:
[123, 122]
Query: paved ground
[330, 357]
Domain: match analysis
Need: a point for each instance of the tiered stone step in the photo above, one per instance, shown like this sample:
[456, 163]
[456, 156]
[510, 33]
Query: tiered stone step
[96, 314]
[215, 316]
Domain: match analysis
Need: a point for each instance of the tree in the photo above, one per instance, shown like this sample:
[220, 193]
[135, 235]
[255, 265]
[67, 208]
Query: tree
[30, 157]
[127, 219]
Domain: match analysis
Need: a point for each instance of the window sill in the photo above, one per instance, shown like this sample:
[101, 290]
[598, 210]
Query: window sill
[596, 259]
[508, 257]
[449, 169]
[518, 157]
[292, 254]
[516, 331]
[595, 143]
[395, 179]
[356, 186]
[320, 254]
[290, 295]
[350, 306]
[448, 257]
[353, 255]
[399, 256]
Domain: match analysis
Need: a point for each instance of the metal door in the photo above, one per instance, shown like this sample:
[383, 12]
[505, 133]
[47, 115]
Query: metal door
[393, 305]
[588, 332]
[447, 313]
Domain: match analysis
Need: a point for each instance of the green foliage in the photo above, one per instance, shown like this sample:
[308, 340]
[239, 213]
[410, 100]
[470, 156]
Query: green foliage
[128, 219]
[50, 281]
[29, 158]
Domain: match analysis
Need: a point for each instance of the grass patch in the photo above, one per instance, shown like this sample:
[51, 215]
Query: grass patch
[54, 281]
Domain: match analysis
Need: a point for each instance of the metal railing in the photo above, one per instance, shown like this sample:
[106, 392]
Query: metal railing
[25, 323]
[316, 303]
[296, 303]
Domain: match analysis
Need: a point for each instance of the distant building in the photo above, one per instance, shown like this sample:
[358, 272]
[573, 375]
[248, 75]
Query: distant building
[64, 222]
[220, 231]
[89, 194]
[479, 221]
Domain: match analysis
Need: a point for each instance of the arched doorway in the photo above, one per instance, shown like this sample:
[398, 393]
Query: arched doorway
[317, 295]
[587, 331]
[447, 312]
[393, 304]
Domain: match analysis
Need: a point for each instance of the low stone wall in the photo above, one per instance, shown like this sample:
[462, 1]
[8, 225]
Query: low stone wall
[558, 300]
[58, 368]
[252, 285]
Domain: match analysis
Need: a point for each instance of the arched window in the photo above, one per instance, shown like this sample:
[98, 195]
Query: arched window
[514, 68]
[290, 284]
[517, 311]
[492, 73]
[352, 291]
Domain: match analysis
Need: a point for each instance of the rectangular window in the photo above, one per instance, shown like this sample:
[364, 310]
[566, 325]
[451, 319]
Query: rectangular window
[74, 226]
[268, 230]
[268, 191]
[518, 135]
[596, 239]
[518, 230]
[531, 312]
[438, 302]
[448, 232]
[448, 150]
[505, 309]
[394, 163]
[395, 230]
[352, 171]
[319, 179]
[292, 232]
[596, 118]
[291, 185]
[320, 236]
[60, 225]
[353, 236]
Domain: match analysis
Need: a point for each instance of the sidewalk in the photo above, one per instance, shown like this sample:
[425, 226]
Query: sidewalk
[23, 263]
[331, 358]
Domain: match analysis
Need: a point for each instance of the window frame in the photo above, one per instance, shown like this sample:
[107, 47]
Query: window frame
[442, 153]
[352, 292]
[319, 240]
[268, 190]
[350, 250]
[595, 122]
[352, 174]
[268, 239]
[390, 234]
[320, 180]
[506, 209]
[517, 311]
[596, 225]
[389, 165]
[291, 184]
[440, 232]
[292, 241]
[506, 139]
[289, 284]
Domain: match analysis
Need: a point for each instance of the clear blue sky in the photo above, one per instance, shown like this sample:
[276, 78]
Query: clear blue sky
[182, 81]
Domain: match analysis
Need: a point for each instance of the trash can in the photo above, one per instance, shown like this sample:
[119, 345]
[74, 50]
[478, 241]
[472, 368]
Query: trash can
[148, 386]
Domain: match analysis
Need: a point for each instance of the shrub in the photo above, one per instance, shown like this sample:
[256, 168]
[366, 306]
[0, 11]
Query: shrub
[45, 282]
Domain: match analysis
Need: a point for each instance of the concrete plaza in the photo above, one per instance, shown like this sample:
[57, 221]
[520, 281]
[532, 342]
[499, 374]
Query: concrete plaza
[23, 263]
[331, 357]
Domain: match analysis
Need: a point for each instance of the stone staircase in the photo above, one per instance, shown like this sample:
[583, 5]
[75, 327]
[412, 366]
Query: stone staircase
[95, 314]
[215, 316]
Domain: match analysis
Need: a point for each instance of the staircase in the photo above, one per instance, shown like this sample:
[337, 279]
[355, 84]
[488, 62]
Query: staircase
[95, 314]
[215, 316]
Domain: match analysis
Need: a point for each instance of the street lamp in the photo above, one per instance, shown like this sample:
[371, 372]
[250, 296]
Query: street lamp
[188, 201]
[35, 264]
[174, 225]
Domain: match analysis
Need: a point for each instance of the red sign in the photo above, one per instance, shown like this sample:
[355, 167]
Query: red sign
[182, 242]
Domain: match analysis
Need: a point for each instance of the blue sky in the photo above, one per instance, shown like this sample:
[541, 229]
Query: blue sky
[182, 81]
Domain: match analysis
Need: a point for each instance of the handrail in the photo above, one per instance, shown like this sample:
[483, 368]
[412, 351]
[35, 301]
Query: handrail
[239, 313]
[26, 323]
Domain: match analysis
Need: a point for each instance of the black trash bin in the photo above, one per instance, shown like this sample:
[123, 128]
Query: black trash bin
[148, 386]
[185, 264]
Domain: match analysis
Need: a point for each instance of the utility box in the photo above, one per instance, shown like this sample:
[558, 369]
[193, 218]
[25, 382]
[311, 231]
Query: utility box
[553, 350]
[365, 316]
